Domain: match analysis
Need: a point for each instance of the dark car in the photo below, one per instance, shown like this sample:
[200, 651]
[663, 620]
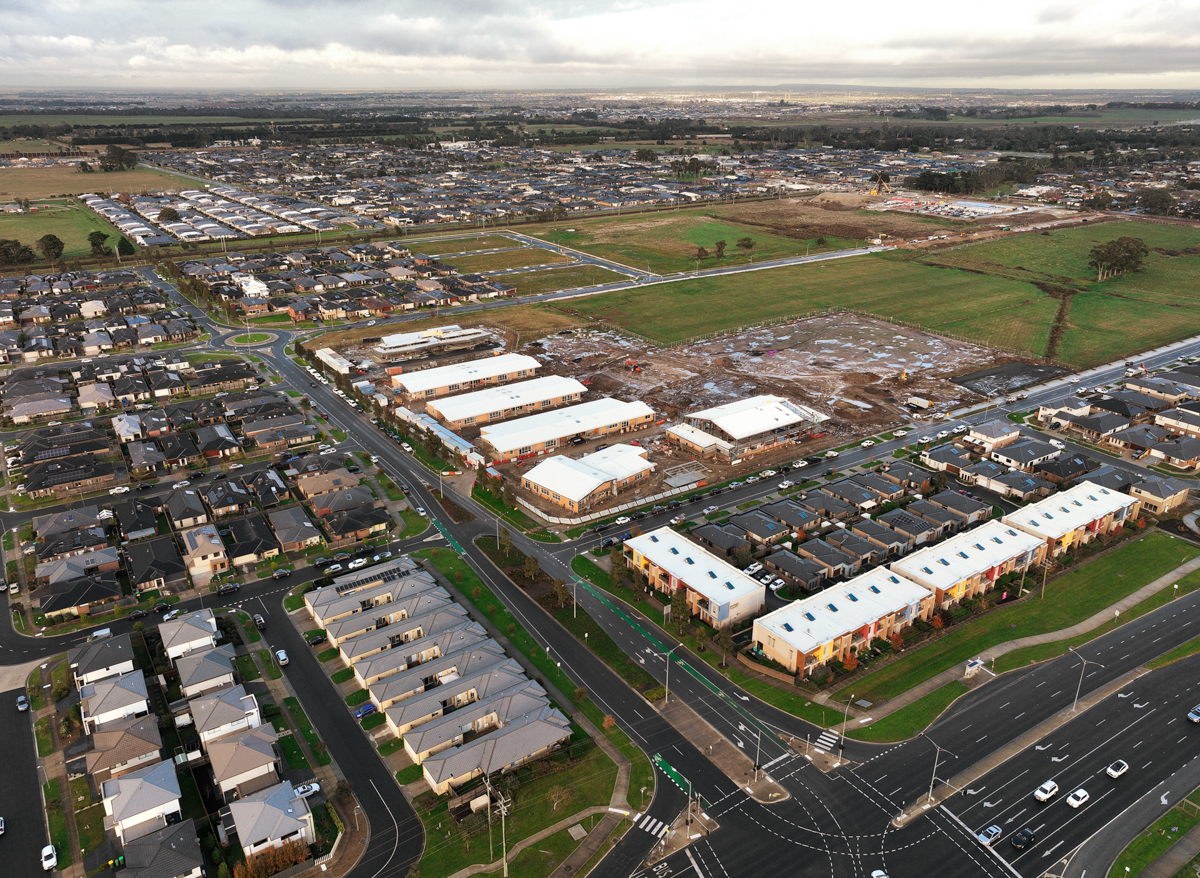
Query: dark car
[220, 476]
[318, 639]
[607, 543]
[623, 537]
[161, 607]
[578, 440]
[146, 487]
[405, 488]
[715, 491]
[138, 614]
[354, 469]
[322, 562]
[674, 504]
[1023, 839]
[658, 509]
[341, 556]
[639, 515]
[695, 498]
[600, 528]
[260, 623]
[786, 468]
[814, 459]
[227, 588]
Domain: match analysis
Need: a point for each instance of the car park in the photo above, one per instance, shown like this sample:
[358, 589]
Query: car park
[989, 835]
[308, 789]
[1046, 791]
[1023, 838]
[281, 657]
[1117, 769]
[1078, 798]
[259, 622]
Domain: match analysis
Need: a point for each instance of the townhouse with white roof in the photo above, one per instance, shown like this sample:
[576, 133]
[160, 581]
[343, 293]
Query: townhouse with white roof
[1075, 516]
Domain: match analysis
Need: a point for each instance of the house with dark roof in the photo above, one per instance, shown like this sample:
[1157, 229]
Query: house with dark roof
[849, 491]
[799, 572]
[1113, 478]
[835, 560]
[949, 459]
[1065, 468]
[1182, 452]
[722, 541]
[253, 541]
[100, 659]
[919, 530]
[342, 500]
[893, 543]
[1160, 495]
[121, 747]
[825, 505]
[79, 518]
[1021, 486]
[969, 510]
[950, 522]
[137, 519]
[796, 517]
[155, 564]
[204, 670]
[59, 478]
[759, 528]
[74, 542]
[179, 450]
[227, 498]
[867, 552]
[170, 852]
[908, 476]
[360, 523]
[294, 529]
[77, 597]
[1025, 454]
[267, 487]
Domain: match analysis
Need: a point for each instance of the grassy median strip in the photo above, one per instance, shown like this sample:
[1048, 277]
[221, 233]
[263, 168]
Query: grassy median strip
[1156, 839]
[1070, 599]
[912, 719]
[1180, 652]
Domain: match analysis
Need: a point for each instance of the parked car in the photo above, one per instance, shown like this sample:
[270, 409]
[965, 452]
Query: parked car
[754, 568]
[736, 484]
[259, 622]
[786, 483]
[121, 489]
[768, 473]
[161, 607]
[182, 484]
[624, 519]
[318, 639]
[867, 443]
[171, 615]
[709, 509]
[49, 858]
[1057, 443]
[281, 657]
[364, 710]
[307, 789]
[334, 568]
[139, 613]
[22, 703]
[678, 519]
[227, 588]
[146, 487]
[421, 512]
[357, 563]
[342, 556]
[220, 476]
[237, 465]
[831, 454]
[282, 573]
[322, 562]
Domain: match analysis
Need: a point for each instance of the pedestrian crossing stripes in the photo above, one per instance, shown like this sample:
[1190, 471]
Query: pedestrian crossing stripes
[653, 826]
[826, 742]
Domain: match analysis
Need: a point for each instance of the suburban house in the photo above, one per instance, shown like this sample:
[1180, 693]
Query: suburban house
[245, 762]
[1075, 516]
[268, 818]
[1160, 495]
[221, 713]
[122, 746]
[112, 699]
[204, 670]
[171, 852]
[100, 659]
[204, 553]
[142, 802]
[195, 631]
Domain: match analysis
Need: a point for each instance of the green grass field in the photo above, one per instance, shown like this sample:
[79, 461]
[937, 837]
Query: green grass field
[913, 718]
[251, 338]
[451, 246]
[878, 284]
[72, 225]
[505, 259]
[1070, 599]
[66, 179]
[548, 280]
[666, 243]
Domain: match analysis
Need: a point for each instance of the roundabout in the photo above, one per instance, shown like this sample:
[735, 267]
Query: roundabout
[250, 338]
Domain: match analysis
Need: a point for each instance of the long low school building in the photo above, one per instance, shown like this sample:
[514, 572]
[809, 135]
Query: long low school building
[510, 401]
[809, 633]
[968, 564]
[463, 377]
[752, 426]
[408, 345]
[717, 592]
[590, 480]
[1075, 516]
[550, 430]
[334, 361]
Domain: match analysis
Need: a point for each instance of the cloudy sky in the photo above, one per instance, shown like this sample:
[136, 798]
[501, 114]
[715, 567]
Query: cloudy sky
[492, 44]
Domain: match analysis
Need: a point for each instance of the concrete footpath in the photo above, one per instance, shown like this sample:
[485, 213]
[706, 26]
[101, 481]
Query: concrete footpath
[1176, 857]
[879, 711]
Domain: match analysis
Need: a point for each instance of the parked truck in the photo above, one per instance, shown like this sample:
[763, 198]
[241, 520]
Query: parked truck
[916, 402]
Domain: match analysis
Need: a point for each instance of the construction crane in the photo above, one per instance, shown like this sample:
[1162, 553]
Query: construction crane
[880, 179]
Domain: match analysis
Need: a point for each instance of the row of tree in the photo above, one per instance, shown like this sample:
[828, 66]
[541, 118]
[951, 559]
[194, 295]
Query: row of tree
[1119, 256]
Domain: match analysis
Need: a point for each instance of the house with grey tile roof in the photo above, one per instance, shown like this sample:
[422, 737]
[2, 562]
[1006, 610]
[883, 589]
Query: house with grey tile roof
[205, 669]
[100, 659]
[268, 818]
[294, 529]
[455, 665]
[921, 530]
[328, 606]
[804, 573]
[112, 699]
[195, 631]
[1025, 454]
[185, 508]
[835, 560]
[1160, 495]
[393, 661]
[224, 712]
[141, 802]
[388, 614]
[472, 721]
[893, 543]
[455, 693]
[171, 852]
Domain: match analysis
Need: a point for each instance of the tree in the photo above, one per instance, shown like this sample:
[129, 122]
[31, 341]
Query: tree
[742, 555]
[939, 481]
[1098, 201]
[680, 615]
[124, 248]
[558, 795]
[562, 594]
[532, 569]
[1158, 202]
[646, 155]
[168, 215]
[851, 662]
[701, 253]
[97, 240]
[637, 586]
[745, 245]
[1123, 255]
[50, 247]
[701, 638]
[505, 541]
[13, 252]
[720, 246]
[725, 644]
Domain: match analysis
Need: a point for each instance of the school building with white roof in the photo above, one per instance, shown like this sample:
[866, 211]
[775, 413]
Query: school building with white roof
[1075, 516]
[751, 426]
[717, 592]
[462, 377]
[509, 401]
[590, 480]
[969, 563]
[548, 431]
[812, 632]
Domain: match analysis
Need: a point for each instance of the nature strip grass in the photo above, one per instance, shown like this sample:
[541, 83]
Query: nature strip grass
[912, 719]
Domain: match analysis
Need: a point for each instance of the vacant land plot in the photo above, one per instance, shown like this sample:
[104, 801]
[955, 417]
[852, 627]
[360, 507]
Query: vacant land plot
[569, 277]
[48, 182]
[665, 243]
[28, 146]
[72, 225]
[86, 119]
[525, 322]
[459, 245]
[519, 257]
[937, 299]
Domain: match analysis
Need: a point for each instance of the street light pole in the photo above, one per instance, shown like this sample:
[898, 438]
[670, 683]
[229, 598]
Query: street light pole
[1082, 668]
[845, 716]
[667, 687]
[937, 756]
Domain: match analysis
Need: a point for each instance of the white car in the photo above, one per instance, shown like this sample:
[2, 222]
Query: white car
[768, 473]
[708, 510]
[170, 615]
[327, 451]
[281, 657]
[183, 484]
[1046, 791]
[1078, 798]
[1074, 379]
[357, 563]
[370, 323]
[678, 520]
[49, 858]
[307, 789]
[334, 568]
[961, 428]
[786, 483]
[750, 480]
[753, 568]
[1057, 444]
[1117, 769]
[123, 489]
[831, 453]
[624, 519]
[900, 434]
[323, 448]
[944, 434]
[799, 464]
[236, 465]
[421, 512]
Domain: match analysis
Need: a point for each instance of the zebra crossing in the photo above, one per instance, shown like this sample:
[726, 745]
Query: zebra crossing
[654, 826]
[826, 742]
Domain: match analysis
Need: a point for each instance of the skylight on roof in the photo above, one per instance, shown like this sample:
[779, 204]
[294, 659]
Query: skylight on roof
[690, 561]
[875, 588]
[810, 617]
[927, 570]
[787, 626]
[653, 538]
[833, 608]
[712, 574]
[852, 597]
[674, 550]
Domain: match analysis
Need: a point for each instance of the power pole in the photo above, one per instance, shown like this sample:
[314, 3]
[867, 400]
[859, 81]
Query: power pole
[503, 805]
